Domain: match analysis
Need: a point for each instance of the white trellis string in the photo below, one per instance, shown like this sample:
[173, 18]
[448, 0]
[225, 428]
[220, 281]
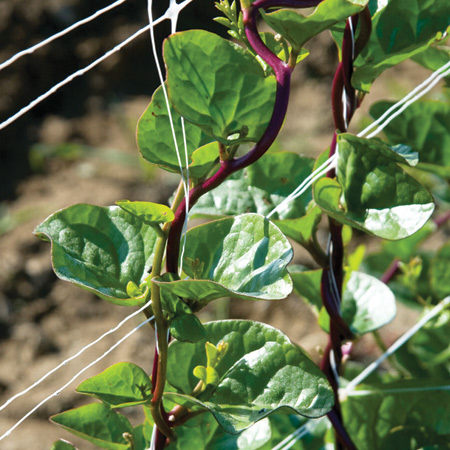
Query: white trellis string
[86, 69]
[414, 95]
[58, 391]
[172, 14]
[396, 345]
[76, 355]
[306, 183]
[55, 36]
[412, 390]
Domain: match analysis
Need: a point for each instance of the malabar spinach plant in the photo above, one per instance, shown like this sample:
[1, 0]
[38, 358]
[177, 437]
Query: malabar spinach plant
[240, 384]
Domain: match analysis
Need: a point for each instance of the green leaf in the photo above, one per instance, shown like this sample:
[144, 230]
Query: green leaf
[63, 445]
[207, 374]
[424, 127]
[307, 285]
[298, 29]
[373, 413]
[123, 384]
[97, 424]
[405, 249]
[100, 249]
[427, 353]
[393, 41]
[203, 160]
[148, 212]
[367, 303]
[434, 57]
[302, 229]
[260, 188]
[184, 326]
[243, 257]
[218, 86]
[440, 271]
[374, 193]
[187, 328]
[155, 136]
[261, 372]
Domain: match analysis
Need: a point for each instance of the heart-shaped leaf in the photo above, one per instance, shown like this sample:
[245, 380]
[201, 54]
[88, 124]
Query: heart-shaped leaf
[97, 424]
[299, 29]
[367, 303]
[374, 193]
[261, 372]
[155, 135]
[243, 257]
[417, 24]
[100, 249]
[123, 384]
[218, 86]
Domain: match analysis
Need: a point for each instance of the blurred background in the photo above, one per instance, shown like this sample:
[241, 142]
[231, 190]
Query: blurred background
[79, 146]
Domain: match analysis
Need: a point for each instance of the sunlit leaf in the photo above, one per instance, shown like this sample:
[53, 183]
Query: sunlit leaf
[123, 384]
[261, 372]
[218, 86]
[100, 249]
[97, 424]
[243, 257]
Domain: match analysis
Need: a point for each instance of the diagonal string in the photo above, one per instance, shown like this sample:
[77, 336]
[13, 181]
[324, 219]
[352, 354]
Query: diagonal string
[83, 71]
[58, 391]
[76, 355]
[56, 36]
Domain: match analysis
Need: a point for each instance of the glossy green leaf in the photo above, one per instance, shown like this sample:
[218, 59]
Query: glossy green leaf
[424, 127]
[440, 272]
[261, 372]
[298, 29]
[97, 424]
[307, 285]
[302, 229]
[100, 249]
[373, 413]
[62, 445]
[367, 303]
[218, 86]
[155, 136]
[123, 384]
[260, 188]
[148, 212]
[243, 257]
[187, 328]
[417, 24]
[203, 160]
[374, 193]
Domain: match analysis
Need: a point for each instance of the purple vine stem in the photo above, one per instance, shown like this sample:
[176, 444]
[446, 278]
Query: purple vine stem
[332, 276]
[283, 77]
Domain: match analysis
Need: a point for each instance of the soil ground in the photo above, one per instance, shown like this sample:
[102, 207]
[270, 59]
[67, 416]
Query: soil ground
[80, 147]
